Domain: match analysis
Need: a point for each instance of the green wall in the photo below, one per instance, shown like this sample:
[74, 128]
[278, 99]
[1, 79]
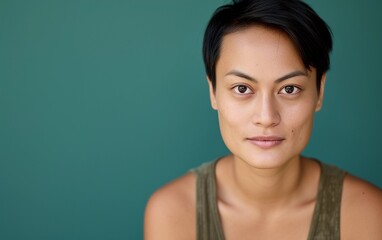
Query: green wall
[101, 102]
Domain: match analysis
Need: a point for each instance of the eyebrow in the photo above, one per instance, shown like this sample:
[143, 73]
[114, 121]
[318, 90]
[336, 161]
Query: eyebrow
[280, 79]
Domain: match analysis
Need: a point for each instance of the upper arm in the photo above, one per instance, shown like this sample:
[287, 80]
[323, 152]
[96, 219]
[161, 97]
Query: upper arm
[361, 214]
[170, 211]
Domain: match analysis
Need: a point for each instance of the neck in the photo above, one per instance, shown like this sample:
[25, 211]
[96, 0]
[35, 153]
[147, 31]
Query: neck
[267, 188]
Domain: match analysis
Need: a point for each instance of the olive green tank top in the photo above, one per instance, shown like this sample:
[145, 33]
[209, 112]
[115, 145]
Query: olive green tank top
[325, 224]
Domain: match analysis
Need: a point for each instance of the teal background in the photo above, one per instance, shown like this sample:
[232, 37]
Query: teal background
[102, 102]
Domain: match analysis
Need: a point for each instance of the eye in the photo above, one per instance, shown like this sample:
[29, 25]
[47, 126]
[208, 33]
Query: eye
[242, 89]
[290, 90]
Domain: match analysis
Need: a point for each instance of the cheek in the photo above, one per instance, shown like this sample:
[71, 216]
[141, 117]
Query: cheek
[300, 121]
[234, 113]
[233, 119]
[229, 117]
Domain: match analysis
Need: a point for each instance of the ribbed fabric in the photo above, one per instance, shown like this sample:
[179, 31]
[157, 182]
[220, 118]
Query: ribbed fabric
[325, 223]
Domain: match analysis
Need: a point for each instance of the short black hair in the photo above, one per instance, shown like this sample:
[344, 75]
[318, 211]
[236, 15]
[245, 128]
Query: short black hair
[309, 33]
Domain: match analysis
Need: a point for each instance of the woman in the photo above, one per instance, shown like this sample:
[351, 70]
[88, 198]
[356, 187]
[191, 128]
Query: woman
[266, 64]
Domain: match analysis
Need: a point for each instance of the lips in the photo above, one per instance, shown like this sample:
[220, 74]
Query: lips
[266, 141]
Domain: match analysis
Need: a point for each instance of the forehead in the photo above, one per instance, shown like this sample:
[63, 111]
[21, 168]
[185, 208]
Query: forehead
[259, 47]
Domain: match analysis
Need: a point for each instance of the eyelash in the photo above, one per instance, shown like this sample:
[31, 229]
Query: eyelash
[296, 88]
[293, 93]
[236, 89]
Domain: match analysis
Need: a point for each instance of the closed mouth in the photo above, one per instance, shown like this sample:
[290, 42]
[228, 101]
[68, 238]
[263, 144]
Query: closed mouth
[266, 141]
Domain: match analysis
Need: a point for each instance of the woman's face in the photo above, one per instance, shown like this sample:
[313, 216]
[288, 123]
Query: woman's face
[264, 96]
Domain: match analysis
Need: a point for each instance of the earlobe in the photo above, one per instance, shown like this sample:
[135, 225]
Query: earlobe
[321, 93]
[212, 94]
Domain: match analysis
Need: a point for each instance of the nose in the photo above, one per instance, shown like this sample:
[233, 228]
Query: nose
[266, 113]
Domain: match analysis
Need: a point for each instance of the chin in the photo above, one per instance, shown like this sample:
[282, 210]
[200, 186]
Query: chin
[265, 160]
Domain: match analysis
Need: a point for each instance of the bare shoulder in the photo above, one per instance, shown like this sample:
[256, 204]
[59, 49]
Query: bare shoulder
[170, 211]
[361, 213]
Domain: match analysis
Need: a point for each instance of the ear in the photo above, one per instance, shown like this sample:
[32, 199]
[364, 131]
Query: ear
[321, 93]
[212, 95]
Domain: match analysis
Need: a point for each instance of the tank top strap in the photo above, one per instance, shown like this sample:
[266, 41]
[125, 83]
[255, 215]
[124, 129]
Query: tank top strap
[207, 215]
[326, 218]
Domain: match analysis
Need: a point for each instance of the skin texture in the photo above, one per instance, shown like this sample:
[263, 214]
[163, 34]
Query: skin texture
[265, 108]
[265, 188]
